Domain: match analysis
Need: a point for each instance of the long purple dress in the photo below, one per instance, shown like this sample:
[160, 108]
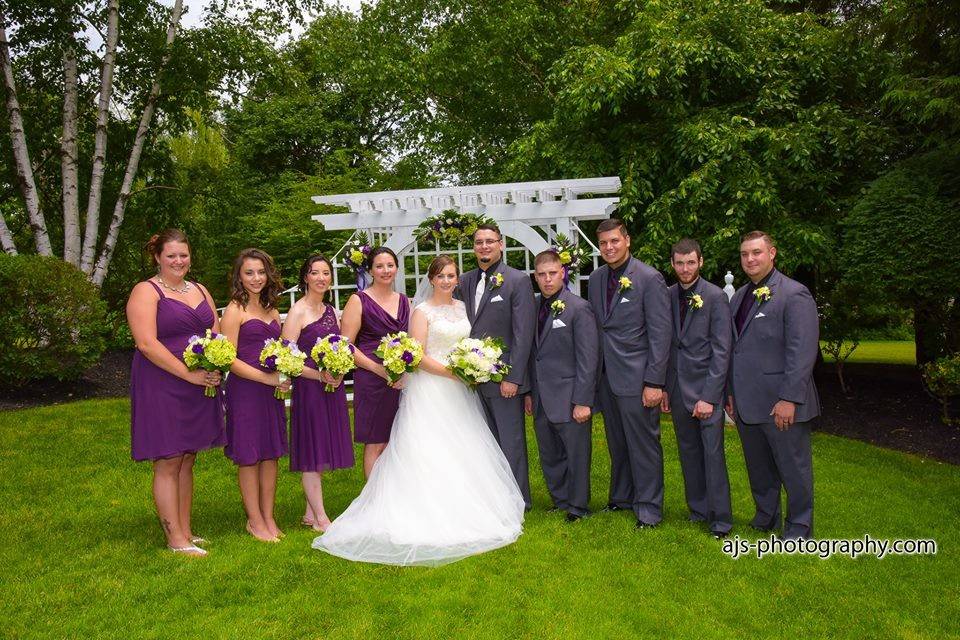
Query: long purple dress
[374, 403]
[256, 419]
[168, 415]
[319, 421]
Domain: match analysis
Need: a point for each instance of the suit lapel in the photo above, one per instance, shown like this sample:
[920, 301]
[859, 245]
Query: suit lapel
[469, 285]
[675, 304]
[755, 307]
[688, 320]
[487, 290]
[618, 292]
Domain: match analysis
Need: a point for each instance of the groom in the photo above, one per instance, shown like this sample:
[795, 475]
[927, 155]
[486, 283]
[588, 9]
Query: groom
[500, 304]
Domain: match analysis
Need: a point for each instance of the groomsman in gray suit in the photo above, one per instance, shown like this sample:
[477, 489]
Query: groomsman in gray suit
[564, 365]
[696, 378]
[771, 392]
[631, 303]
[500, 304]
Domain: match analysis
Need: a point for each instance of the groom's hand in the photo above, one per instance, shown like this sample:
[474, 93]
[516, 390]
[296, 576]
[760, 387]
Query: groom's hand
[581, 413]
[508, 389]
[528, 405]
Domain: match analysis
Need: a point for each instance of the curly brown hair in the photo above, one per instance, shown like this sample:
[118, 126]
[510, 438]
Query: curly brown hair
[155, 244]
[270, 292]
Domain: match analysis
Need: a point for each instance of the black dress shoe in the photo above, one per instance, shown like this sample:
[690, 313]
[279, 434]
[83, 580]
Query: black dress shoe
[644, 525]
[612, 507]
[573, 517]
[720, 535]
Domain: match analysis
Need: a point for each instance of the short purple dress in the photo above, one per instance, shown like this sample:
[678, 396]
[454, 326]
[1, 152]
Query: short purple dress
[256, 419]
[319, 421]
[168, 415]
[374, 403]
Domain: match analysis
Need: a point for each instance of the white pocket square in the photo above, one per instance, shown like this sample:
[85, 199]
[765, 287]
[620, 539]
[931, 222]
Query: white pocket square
[760, 315]
[557, 323]
[622, 300]
[496, 299]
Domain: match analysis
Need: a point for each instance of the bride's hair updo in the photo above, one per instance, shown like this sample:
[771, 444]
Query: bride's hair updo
[439, 264]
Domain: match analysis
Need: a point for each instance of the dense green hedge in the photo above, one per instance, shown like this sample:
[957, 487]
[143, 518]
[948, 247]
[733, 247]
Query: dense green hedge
[53, 320]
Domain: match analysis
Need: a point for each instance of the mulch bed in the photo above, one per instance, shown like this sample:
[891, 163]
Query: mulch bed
[887, 406]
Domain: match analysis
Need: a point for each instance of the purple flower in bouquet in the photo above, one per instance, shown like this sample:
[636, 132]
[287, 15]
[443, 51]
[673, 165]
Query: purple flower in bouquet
[270, 362]
[198, 349]
[407, 357]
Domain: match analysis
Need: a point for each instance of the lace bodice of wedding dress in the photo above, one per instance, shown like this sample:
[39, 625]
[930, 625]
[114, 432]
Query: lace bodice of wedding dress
[448, 324]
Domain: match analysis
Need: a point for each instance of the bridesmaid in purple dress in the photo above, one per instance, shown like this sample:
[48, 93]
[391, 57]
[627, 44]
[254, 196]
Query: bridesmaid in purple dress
[170, 417]
[368, 316]
[256, 419]
[319, 421]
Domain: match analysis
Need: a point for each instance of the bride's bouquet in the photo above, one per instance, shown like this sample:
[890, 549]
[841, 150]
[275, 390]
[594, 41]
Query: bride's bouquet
[334, 354]
[210, 352]
[400, 354]
[476, 361]
[283, 356]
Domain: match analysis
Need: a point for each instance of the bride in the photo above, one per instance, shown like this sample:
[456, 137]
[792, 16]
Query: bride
[442, 489]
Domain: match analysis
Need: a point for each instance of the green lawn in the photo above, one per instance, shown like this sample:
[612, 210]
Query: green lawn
[82, 556]
[883, 352]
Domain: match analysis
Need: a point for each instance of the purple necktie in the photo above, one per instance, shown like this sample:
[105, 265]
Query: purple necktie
[744, 311]
[542, 316]
[612, 282]
[684, 304]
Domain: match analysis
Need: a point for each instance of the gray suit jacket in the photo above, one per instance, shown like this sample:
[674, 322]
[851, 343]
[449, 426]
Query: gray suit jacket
[508, 312]
[635, 334]
[773, 356]
[565, 361]
[700, 349]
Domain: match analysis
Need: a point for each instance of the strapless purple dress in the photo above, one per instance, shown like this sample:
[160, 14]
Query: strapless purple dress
[374, 403]
[256, 420]
[319, 421]
[168, 415]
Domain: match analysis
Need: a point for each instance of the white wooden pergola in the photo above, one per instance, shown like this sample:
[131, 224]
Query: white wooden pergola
[530, 213]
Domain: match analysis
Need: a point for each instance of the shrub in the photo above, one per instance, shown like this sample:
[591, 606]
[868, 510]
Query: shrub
[943, 379]
[53, 320]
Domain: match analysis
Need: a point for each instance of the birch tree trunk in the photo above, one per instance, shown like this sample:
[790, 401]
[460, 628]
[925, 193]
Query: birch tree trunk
[68, 161]
[133, 163]
[6, 238]
[92, 230]
[21, 155]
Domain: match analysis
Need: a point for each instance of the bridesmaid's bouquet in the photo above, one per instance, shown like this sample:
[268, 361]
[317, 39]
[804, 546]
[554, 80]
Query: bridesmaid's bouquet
[476, 361]
[210, 352]
[400, 354]
[283, 356]
[334, 354]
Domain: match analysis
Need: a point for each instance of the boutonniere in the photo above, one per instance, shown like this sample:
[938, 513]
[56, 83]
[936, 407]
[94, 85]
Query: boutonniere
[625, 283]
[557, 306]
[695, 301]
[762, 294]
[496, 281]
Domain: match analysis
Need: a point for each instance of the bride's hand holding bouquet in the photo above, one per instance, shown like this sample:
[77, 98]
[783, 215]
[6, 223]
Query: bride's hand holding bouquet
[477, 360]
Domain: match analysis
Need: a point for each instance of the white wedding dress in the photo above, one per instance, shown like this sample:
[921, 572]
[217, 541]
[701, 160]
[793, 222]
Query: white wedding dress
[441, 490]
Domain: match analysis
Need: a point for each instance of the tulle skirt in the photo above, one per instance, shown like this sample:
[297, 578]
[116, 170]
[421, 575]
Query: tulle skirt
[441, 491]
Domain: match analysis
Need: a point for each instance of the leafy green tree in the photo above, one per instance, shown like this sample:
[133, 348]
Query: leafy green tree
[900, 245]
[720, 117]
